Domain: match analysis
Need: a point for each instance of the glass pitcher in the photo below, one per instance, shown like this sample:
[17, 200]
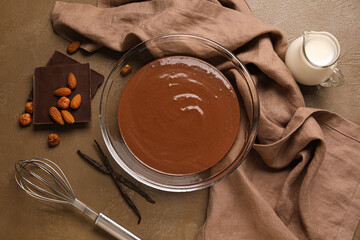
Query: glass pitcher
[312, 59]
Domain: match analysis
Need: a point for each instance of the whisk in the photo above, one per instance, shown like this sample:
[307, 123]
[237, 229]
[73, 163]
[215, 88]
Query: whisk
[44, 180]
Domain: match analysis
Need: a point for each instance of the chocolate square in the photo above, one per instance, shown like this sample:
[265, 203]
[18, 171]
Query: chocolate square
[48, 79]
[60, 59]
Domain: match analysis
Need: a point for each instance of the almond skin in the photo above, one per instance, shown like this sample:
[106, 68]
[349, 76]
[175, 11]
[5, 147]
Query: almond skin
[63, 103]
[76, 102]
[68, 118]
[73, 47]
[72, 81]
[62, 92]
[56, 115]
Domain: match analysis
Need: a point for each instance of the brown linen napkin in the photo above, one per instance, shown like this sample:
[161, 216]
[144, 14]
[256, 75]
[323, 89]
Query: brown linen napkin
[301, 180]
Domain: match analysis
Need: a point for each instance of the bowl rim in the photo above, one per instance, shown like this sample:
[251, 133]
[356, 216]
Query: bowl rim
[197, 186]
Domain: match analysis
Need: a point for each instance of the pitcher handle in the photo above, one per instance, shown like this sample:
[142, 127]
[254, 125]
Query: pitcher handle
[335, 80]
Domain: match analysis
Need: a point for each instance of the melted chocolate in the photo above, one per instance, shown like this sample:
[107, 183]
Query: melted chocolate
[179, 115]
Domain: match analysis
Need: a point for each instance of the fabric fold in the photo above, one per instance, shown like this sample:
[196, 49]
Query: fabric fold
[313, 191]
[112, 27]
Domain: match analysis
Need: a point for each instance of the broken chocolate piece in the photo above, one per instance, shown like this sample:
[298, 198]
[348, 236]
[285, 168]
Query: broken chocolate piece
[61, 59]
[47, 79]
[58, 59]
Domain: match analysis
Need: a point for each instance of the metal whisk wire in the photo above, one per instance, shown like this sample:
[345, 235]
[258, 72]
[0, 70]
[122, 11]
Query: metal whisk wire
[44, 180]
[62, 192]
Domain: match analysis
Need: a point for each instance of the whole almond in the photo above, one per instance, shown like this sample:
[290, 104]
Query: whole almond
[68, 118]
[73, 47]
[56, 115]
[72, 81]
[75, 102]
[62, 92]
[63, 103]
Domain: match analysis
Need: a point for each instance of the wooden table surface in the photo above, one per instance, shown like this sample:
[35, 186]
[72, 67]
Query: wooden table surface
[27, 41]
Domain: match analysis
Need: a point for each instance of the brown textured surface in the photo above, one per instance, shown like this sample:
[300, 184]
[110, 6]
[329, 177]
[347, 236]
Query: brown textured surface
[28, 41]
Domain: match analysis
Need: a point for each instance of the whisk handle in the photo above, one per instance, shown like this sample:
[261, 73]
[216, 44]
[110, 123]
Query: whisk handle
[113, 228]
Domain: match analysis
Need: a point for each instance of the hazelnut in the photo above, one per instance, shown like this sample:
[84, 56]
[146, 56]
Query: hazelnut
[29, 107]
[125, 70]
[25, 119]
[53, 139]
[63, 103]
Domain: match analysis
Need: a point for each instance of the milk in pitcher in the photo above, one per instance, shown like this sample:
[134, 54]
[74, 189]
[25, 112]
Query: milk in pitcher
[312, 58]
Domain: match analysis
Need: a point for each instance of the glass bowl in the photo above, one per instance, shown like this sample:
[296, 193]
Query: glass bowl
[185, 45]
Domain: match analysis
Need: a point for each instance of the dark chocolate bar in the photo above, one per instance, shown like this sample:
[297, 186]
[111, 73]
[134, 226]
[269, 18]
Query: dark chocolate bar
[60, 59]
[48, 79]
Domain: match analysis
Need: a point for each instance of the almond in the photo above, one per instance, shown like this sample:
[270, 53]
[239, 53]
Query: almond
[75, 102]
[72, 81]
[63, 103]
[68, 118]
[56, 115]
[62, 92]
[73, 47]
